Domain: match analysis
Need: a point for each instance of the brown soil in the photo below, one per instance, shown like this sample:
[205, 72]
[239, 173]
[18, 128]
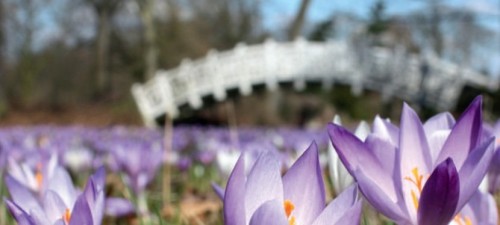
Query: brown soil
[91, 115]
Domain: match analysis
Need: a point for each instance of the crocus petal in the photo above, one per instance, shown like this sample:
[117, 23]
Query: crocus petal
[219, 191]
[51, 166]
[270, 213]
[376, 174]
[441, 121]
[465, 135]
[340, 206]
[413, 144]
[439, 198]
[19, 214]
[437, 130]
[362, 131]
[385, 154]
[436, 143]
[234, 208]
[384, 129]
[15, 170]
[352, 216]
[61, 183]
[337, 120]
[483, 208]
[473, 171]
[414, 153]
[340, 177]
[119, 207]
[350, 149]
[95, 198]
[81, 213]
[379, 199]
[303, 185]
[263, 183]
[39, 217]
[21, 195]
[54, 206]
[494, 173]
[99, 178]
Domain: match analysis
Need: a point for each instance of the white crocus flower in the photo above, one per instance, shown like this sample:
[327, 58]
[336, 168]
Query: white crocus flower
[339, 175]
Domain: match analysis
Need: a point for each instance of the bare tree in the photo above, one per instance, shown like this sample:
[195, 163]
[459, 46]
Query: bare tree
[104, 10]
[3, 104]
[435, 28]
[298, 22]
[22, 24]
[146, 8]
[228, 21]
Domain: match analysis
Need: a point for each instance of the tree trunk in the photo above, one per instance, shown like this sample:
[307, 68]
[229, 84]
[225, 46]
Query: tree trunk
[3, 102]
[435, 32]
[150, 52]
[102, 64]
[298, 22]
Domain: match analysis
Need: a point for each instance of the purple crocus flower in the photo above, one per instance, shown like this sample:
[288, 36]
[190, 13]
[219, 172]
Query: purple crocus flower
[491, 182]
[36, 179]
[418, 174]
[139, 161]
[481, 209]
[60, 205]
[264, 197]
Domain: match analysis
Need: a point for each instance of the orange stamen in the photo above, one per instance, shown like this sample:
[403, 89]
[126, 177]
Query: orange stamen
[39, 179]
[39, 175]
[66, 216]
[289, 207]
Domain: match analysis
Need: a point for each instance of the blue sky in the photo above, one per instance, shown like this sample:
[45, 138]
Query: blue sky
[276, 11]
[279, 13]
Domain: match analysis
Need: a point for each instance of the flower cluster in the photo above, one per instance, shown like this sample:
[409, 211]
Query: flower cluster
[438, 172]
[419, 173]
[51, 197]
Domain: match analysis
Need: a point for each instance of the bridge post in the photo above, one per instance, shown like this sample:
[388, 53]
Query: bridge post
[186, 72]
[169, 98]
[300, 81]
[141, 100]
[245, 87]
[357, 84]
[270, 62]
[212, 63]
[154, 99]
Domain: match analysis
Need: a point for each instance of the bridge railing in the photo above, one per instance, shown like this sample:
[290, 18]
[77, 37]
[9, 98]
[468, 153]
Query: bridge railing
[391, 72]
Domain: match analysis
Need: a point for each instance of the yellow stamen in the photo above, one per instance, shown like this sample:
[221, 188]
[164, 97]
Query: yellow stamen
[418, 181]
[415, 199]
[66, 216]
[462, 220]
[289, 207]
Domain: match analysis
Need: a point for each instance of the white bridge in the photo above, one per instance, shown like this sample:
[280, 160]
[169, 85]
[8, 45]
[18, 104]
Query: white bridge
[394, 73]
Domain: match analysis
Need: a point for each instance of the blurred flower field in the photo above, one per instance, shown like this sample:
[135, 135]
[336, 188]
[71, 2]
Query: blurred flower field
[440, 171]
[136, 160]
